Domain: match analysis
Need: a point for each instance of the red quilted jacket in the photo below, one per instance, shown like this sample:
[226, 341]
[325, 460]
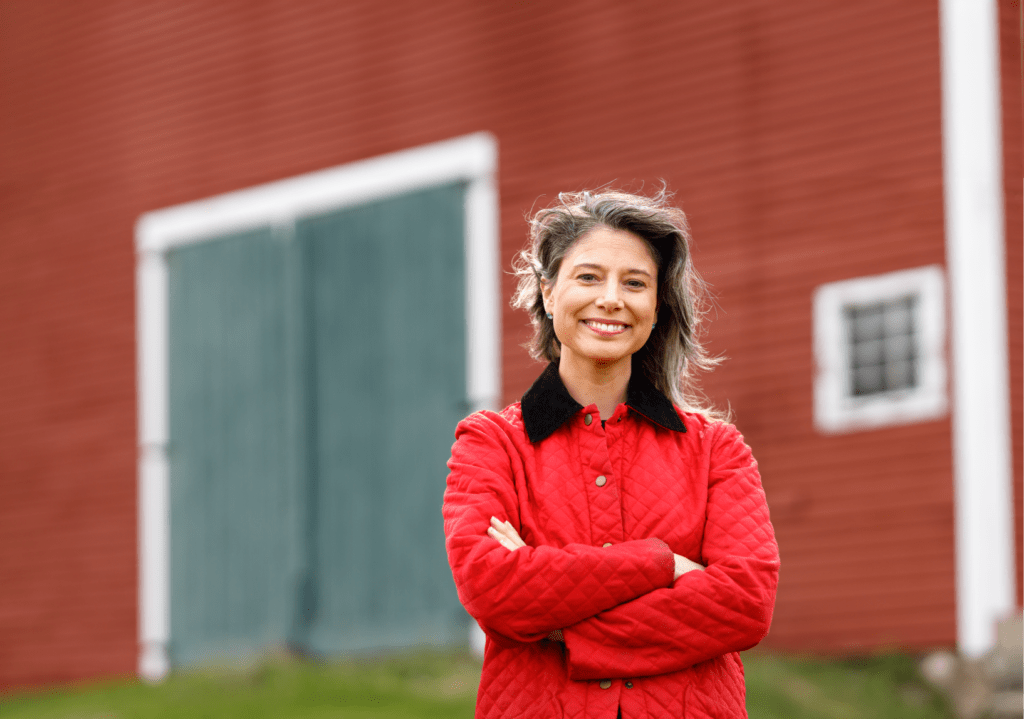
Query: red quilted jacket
[602, 509]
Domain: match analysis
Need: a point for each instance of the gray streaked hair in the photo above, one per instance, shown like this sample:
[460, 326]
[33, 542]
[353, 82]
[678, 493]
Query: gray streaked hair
[673, 355]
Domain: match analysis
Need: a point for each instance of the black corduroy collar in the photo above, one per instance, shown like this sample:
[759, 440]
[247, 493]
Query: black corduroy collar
[547, 404]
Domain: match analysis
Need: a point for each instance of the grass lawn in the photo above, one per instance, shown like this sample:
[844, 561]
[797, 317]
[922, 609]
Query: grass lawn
[439, 684]
[881, 687]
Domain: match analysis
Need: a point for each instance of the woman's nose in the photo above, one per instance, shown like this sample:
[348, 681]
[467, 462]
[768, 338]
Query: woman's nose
[610, 298]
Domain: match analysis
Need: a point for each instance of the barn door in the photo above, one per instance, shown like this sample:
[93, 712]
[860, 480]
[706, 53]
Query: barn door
[316, 377]
[389, 351]
[229, 448]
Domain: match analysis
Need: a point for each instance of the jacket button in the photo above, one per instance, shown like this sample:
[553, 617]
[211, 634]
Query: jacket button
[629, 685]
[587, 419]
[606, 545]
[606, 684]
[600, 481]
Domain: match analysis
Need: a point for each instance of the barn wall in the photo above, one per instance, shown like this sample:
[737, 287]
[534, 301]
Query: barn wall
[842, 179]
[1013, 184]
[802, 138]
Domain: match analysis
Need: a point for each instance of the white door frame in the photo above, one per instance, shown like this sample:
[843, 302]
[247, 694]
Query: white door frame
[471, 159]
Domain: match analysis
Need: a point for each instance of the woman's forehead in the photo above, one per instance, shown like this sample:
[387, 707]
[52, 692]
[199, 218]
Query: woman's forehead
[604, 247]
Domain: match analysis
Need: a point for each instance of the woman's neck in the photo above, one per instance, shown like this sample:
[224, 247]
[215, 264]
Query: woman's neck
[590, 382]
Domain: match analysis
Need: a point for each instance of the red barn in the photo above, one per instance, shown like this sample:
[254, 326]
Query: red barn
[254, 264]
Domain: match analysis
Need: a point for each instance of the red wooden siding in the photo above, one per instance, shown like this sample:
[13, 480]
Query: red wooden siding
[803, 138]
[848, 183]
[67, 414]
[1010, 42]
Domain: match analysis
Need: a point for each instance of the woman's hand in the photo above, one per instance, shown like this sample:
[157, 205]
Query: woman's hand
[506, 535]
[684, 565]
[509, 538]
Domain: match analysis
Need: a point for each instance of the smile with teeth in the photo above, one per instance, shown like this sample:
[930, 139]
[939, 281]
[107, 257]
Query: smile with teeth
[605, 327]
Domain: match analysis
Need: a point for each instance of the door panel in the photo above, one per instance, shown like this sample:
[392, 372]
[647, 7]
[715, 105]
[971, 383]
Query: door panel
[231, 504]
[389, 348]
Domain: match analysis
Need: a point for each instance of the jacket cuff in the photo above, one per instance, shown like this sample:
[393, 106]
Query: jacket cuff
[663, 558]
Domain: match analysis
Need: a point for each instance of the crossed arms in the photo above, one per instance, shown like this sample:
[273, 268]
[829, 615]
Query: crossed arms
[633, 609]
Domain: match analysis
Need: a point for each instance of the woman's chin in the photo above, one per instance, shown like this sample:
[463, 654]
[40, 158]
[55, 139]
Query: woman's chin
[600, 353]
[606, 359]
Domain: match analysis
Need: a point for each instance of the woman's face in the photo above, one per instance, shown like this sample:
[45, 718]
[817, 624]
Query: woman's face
[605, 297]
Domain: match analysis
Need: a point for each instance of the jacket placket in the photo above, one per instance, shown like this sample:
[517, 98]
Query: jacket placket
[603, 488]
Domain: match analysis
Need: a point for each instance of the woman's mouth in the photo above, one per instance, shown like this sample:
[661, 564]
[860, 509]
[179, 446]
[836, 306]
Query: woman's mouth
[606, 328]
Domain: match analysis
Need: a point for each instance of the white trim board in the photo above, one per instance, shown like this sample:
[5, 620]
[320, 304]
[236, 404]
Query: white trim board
[975, 261]
[471, 159]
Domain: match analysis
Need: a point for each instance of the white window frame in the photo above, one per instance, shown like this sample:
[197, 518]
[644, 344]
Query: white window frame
[835, 409]
[471, 159]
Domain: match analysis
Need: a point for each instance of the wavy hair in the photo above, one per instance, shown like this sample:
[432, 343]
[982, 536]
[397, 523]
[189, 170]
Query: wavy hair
[673, 354]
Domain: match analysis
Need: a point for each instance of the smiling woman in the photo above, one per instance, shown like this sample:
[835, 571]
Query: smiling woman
[603, 305]
[638, 234]
[617, 567]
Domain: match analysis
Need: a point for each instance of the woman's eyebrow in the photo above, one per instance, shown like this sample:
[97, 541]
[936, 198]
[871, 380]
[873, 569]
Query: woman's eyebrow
[592, 266]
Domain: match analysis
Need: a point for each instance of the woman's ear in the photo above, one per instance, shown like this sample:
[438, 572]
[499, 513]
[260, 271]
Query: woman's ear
[545, 292]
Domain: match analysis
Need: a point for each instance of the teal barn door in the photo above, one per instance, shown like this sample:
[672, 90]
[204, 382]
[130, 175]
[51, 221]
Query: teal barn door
[388, 312]
[230, 453]
[316, 378]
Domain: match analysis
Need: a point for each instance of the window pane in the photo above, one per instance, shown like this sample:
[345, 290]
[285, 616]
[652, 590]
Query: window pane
[899, 375]
[899, 348]
[882, 345]
[867, 380]
[868, 353]
[868, 323]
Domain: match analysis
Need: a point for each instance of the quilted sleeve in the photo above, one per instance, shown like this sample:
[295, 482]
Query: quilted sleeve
[525, 594]
[726, 608]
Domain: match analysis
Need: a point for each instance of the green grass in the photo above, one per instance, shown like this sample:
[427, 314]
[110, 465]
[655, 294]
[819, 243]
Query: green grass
[428, 685]
[880, 687]
[432, 685]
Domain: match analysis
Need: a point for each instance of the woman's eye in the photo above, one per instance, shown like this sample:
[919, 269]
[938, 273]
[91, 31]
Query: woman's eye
[586, 277]
[636, 284]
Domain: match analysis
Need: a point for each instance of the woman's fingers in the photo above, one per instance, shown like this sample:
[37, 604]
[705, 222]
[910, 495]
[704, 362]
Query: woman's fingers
[684, 565]
[514, 535]
[506, 535]
[502, 540]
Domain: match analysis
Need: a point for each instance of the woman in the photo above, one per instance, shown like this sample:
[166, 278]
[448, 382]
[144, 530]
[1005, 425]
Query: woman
[615, 547]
